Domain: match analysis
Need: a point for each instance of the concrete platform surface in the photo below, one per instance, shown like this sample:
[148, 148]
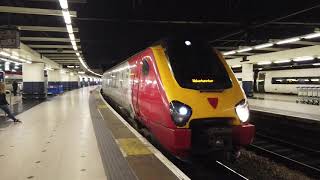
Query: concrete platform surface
[56, 141]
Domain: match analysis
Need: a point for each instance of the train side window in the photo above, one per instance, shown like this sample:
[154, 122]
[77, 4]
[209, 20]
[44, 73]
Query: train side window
[145, 67]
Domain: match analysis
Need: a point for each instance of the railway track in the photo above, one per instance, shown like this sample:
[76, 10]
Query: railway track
[206, 169]
[299, 157]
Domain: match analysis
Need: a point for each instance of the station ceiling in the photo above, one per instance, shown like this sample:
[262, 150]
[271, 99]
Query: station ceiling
[112, 30]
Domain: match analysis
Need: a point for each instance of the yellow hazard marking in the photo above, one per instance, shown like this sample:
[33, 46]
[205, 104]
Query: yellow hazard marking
[133, 147]
[102, 106]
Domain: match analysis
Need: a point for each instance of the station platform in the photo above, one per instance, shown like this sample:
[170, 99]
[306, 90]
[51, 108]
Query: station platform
[78, 136]
[284, 105]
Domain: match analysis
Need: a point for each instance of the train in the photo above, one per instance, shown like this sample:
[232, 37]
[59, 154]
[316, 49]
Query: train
[285, 81]
[184, 95]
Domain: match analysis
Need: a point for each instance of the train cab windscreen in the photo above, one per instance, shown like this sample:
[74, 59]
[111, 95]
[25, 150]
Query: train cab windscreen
[196, 65]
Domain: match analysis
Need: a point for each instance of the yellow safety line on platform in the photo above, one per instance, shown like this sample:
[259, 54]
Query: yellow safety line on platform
[133, 147]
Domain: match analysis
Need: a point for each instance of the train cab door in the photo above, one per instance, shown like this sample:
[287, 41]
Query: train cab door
[261, 81]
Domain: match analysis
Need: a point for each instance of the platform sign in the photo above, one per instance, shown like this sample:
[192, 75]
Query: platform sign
[9, 38]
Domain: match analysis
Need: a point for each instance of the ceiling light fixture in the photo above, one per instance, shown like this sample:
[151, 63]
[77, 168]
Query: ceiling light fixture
[66, 16]
[72, 38]
[236, 66]
[263, 46]
[290, 40]
[282, 61]
[244, 50]
[311, 36]
[4, 53]
[69, 28]
[264, 63]
[316, 64]
[304, 58]
[73, 43]
[229, 53]
[67, 19]
[63, 4]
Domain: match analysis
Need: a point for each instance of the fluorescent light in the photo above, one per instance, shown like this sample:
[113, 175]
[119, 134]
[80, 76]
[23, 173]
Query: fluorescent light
[66, 16]
[236, 66]
[229, 53]
[75, 48]
[83, 64]
[244, 50]
[263, 46]
[316, 64]
[81, 72]
[4, 53]
[314, 80]
[290, 40]
[14, 57]
[264, 63]
[282, 61]
[313, 35]
[63, 4]
[72, 38]
[70, 66]
[78, 54]
[73, 43]
[69, 29]
[304, 58]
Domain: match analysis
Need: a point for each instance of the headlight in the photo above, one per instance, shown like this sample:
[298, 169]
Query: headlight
[242, 110]
[180, 113]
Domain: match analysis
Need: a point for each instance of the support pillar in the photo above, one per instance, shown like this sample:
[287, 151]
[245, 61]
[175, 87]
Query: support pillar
[34, 81]
[247, 79]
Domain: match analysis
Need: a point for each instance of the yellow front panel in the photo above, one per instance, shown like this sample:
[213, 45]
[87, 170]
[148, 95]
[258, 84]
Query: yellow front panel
[197, 100]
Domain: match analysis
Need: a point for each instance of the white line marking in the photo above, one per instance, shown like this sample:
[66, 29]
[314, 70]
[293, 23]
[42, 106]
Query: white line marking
[174, 169]
[231, 170]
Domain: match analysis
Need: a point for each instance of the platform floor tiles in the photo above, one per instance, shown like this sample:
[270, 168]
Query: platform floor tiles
[56, 141]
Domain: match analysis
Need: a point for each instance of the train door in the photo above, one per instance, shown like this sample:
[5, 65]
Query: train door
[143, 93]
[135, 78]
[261, 81]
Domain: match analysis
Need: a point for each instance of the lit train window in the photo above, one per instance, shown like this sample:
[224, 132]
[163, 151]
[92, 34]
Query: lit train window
[145, 67]
[296, 80]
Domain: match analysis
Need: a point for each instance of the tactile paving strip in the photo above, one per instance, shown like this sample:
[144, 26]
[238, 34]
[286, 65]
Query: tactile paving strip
[141, 159]
[115, 165]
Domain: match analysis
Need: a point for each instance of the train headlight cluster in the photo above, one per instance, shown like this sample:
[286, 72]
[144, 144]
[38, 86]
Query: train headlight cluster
[180, 113]
[242, 110]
